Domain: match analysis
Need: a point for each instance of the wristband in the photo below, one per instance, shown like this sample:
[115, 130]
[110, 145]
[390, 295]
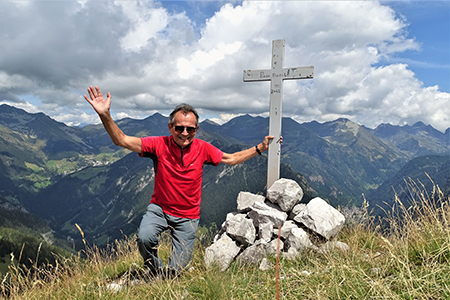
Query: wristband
[257, 150]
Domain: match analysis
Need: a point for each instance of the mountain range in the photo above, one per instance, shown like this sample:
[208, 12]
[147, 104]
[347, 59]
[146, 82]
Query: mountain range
[66, 175]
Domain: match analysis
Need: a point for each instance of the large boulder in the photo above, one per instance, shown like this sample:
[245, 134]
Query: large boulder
[262, 213]
[321, 218]
[298, 239]
[245, 201]
[241, 229]
[221, 252]
[286, 193]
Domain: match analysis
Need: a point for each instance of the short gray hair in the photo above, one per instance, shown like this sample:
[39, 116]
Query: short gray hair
[185, 108]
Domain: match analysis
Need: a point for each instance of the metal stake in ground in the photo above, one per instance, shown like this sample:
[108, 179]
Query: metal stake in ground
[276, 75]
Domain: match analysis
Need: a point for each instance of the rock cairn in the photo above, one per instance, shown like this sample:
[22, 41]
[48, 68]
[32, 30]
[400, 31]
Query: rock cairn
[251, 234]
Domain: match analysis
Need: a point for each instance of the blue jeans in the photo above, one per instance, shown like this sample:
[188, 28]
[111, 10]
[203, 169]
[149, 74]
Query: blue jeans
[182, 230]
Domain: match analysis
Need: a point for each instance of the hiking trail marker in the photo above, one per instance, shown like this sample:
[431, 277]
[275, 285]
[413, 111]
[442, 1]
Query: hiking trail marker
[276, 75]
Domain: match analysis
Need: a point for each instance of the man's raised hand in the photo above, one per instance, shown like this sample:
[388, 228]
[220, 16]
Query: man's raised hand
[97, 100]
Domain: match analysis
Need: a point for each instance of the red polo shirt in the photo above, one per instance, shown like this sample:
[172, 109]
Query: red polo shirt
[178, 180]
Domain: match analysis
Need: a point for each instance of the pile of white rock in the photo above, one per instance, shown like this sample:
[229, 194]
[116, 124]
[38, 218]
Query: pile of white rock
[251, 234]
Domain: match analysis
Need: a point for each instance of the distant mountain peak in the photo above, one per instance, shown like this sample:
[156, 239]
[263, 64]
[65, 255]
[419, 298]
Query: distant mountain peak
[5, 108]
[246, 116]
[419, 124]
[345, 125]
[342, 120]
[159, 115]
[424, 127]
[155, 116]
[208, 121]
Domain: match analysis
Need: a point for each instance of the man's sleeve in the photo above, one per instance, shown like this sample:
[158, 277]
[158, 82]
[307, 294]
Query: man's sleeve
[148, 145]
[214, 155]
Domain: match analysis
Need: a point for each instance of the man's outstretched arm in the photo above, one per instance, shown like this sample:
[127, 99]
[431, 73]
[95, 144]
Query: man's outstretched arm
[244, 155]
[102, 106]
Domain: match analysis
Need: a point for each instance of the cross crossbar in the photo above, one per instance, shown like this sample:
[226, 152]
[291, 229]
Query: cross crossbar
[285, 74]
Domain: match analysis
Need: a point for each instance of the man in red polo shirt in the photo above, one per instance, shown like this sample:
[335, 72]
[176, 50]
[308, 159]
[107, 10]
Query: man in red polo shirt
[178, 163]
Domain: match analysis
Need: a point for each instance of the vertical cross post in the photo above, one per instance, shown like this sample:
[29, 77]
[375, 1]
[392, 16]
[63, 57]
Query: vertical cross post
[276, 75]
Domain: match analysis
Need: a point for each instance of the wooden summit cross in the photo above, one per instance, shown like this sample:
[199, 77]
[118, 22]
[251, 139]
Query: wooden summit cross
[276, 75]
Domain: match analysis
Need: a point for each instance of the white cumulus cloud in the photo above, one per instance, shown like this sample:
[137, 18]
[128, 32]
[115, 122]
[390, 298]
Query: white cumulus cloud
[151, 58]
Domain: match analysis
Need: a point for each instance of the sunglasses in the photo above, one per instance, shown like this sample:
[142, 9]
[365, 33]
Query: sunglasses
[180, 129]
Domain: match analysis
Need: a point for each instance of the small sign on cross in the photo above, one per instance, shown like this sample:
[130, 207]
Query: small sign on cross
[276, 75]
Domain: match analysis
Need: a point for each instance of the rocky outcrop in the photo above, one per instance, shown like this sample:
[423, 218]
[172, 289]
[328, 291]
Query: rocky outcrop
[251, 234]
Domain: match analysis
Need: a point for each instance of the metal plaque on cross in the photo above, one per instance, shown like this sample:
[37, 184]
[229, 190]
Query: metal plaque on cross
[276, 75]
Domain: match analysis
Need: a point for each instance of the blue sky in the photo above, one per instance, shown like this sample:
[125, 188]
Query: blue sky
[375, 62]
[429, 25]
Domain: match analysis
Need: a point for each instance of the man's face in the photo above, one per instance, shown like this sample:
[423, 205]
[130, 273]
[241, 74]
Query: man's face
[183, 129]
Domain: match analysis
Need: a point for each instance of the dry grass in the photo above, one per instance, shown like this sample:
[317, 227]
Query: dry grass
[407, 257]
